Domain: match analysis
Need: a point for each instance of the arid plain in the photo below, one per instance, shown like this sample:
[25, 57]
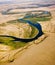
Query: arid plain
[36, 54]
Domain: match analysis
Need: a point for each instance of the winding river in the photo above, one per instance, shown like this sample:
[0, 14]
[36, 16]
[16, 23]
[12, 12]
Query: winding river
[37, 25]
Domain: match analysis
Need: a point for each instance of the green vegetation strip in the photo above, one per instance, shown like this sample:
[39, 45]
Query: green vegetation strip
[8, 41]
[37, 16]
[35, 19]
